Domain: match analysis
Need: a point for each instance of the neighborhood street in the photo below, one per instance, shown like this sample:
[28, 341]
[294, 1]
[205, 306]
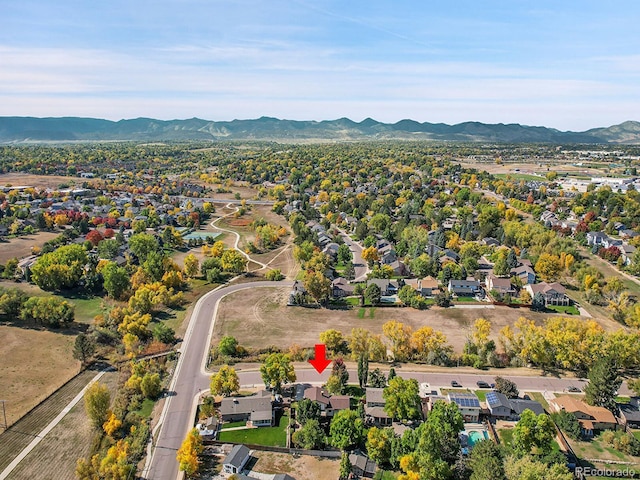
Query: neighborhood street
[359, 265]
[190, 378]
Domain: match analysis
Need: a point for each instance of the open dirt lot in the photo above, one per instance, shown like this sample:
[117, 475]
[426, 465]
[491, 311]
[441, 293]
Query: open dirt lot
[55, 457]
[39, 181]
[260, 317]
[302, 468]
[21, 247]
[34, 364]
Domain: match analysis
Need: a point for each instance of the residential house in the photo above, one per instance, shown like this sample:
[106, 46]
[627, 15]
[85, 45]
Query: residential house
[297, 293]
[468, 404]
[626, 252]
[553, 293]
[331, 249]
[329, 404]
[596, 238]
[592, 419]
[629, 415]
[387, 287]
[374, 407]
[490, 241]
[499, 405]
[519, 405]
[237, 459]
[257, 409]
[399, 268]
[501, 285]
[340, 287]
[627, 233]
[464, 287]
[362, 466]
[525, 273]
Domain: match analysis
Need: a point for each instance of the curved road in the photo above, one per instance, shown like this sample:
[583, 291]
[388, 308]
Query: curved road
[190, 378]
[359, 265]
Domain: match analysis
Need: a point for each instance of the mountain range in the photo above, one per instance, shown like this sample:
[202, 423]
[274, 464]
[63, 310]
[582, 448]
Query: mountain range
[66, 129]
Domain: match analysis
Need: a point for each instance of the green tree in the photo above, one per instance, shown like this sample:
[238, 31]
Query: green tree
[568, 423]
[307, 410]
[339, 377]
[228, 346]
[604, 382]
[277, 370]
[151, 385]
[116, 280]
[533, 434]
[163, 333]
[401, 399]
[363, 370]
[83, 348]
[526, 468]
[344, 254]
[486, 461]
[507, 387]
[310, 436]
[225, 381]
[318, 286]
[345, 466]
[142, 244]
[372, 294]
[377, 379]
[346, 429]
[61, 269]
[96, 403]
[108, 249]
[48, 311]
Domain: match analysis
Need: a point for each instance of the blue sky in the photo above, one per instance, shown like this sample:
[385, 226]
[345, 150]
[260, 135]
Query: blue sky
[571, 65]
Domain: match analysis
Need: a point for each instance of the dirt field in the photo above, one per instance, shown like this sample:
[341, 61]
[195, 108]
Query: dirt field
[34, 364]
[264, 310]
[55, 457]
[39, 181]
[301, 468]
[21, 247]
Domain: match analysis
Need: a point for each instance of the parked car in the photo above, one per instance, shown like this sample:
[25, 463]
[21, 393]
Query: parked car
[454, 383]
[482, 384]
[572, 389]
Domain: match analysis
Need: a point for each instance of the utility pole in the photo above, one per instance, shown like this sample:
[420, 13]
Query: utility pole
[4, 414]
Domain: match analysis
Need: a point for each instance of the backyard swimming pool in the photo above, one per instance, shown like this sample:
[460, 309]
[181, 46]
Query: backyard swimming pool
[475, 436]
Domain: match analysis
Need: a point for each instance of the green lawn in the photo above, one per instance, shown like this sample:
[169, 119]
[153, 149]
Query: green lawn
[352, 301]
[636, 434]
[385, 475]
[233, 424]
[566, 310]
[270, 436]
[482, 394]
[146, 408]
[538, 397]
[506, 435]
[520, 176]
[361, 311]
[465, 300]
[621, 399]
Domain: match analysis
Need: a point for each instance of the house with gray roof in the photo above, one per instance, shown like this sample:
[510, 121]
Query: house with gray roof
[237, 459]
[257, 409]
[498, 404]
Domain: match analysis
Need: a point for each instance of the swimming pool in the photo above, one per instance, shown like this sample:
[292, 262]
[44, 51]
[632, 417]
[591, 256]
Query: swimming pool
[474, 436]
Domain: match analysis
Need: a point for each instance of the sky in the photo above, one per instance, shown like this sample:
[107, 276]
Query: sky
[570, 65]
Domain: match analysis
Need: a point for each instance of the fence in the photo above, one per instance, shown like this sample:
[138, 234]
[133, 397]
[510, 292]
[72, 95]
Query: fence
[291, 451]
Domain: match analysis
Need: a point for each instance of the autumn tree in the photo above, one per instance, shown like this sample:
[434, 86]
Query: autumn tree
[334, 341]
[61, 269]
[549, 267]
[188, 452]
[318, 286]
[277, 370]
[399, 335]
[225, 381]
[339, 377]
[191, 266]
[379, 443]
[370, 255]
[96, 403]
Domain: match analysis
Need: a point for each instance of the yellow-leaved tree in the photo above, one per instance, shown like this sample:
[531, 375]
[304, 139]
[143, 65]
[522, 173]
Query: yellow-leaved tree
[188, 453]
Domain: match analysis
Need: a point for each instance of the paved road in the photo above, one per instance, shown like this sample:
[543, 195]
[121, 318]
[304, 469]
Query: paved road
[360, 266]
[188, 379]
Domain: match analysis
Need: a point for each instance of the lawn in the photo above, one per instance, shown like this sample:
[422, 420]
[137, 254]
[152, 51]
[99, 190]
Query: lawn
[520, 176]
[86, 307]
[385, 475]
[270, 436]
[146, 408]
[465, 300]
[482, 394]
[538, 397]
[506, 435]
[566, 310]
[233, 424]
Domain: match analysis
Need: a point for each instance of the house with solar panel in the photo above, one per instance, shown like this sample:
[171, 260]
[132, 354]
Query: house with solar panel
[468, 404]
[499, 405]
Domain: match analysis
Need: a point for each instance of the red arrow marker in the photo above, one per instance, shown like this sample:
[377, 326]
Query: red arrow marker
[320, 362]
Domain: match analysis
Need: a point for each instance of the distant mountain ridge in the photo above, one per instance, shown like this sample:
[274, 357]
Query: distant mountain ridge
[59, 129]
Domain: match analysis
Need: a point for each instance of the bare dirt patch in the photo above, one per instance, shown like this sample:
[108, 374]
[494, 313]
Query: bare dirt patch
[39, 181]
[304, 467]
[260, 317]
[34, 364]
[21, 246]
[56, 455]
[239, 222]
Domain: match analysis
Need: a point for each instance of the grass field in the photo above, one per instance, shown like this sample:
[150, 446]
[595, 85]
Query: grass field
[264, 309]
[538, 397]
[516, 177]
[271, 436]
[564, 310]
[596, 449]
